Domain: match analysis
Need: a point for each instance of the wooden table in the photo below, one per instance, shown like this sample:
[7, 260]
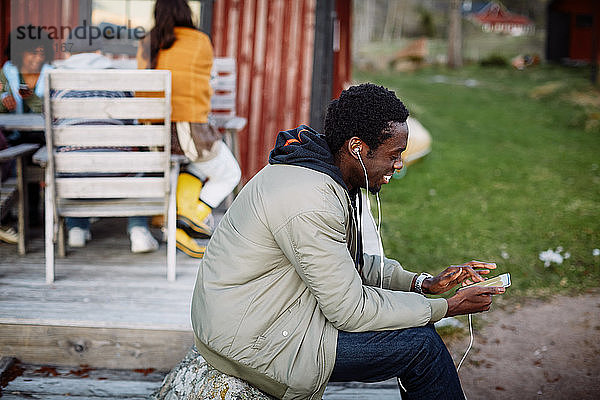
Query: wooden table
[22, 122]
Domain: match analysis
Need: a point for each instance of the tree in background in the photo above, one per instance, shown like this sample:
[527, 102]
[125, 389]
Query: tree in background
[427, 22]
[388, 20]
[455, 35]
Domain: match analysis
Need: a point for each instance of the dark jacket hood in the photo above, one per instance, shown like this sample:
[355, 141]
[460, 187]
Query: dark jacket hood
[305, 147]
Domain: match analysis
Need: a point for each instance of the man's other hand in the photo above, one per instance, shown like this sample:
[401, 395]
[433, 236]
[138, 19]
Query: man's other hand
[472, 300]
[466, 273]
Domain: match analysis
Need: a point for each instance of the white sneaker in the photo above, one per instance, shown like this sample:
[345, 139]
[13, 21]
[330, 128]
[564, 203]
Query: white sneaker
[78, 237]
[9, 235]
[142, 240]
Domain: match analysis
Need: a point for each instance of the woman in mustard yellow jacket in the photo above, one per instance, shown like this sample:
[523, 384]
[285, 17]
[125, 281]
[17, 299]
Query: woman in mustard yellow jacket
[175, 44]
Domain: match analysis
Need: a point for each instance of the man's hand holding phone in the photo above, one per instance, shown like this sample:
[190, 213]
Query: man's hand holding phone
[472, 299]
[477, 297]
[476, 292]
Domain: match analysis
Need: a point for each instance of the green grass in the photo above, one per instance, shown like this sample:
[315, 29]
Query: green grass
[513, 172]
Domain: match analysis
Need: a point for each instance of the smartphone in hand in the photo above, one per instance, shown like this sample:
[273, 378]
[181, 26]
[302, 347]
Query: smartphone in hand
[500, 280]
[25, 91]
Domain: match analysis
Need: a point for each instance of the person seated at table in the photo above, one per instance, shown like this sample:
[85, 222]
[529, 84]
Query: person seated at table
[175, 44]
[21, 91]
[86, 54]
[22, 78]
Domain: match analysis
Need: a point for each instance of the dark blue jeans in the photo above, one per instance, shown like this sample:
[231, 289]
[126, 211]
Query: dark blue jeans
[417, 356]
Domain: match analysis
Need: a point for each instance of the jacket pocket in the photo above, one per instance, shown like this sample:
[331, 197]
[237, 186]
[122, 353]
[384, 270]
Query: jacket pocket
[280, 331]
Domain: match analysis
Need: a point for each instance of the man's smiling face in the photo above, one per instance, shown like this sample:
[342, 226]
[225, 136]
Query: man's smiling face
[382, 162]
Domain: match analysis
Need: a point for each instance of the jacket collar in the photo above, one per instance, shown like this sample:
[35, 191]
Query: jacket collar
[305, 147]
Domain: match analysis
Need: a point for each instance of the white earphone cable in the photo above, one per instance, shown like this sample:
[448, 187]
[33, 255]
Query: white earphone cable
[376, 225]
[367, 183]
[470, 344]
[378, 228]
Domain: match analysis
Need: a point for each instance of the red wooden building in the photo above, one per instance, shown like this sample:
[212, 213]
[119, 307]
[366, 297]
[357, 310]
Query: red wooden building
[494, 17]
[573, 31]
[292, 56]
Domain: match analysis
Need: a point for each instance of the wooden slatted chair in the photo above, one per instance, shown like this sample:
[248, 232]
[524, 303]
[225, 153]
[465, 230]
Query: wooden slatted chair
[223, 100]
[223, 105]
[15, 190]
[104, 180]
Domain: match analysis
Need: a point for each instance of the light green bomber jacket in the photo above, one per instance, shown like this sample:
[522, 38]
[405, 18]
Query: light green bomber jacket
[278, 281]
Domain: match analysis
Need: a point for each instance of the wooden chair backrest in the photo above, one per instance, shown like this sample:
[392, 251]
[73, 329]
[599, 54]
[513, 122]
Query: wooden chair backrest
[223, 83]
[103, 170]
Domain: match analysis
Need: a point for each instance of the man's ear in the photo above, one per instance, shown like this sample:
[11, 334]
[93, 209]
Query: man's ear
[355, 146]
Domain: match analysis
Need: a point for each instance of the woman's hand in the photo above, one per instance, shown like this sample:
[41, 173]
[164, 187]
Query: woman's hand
[466, 273]
[9, 102]
[25, 91]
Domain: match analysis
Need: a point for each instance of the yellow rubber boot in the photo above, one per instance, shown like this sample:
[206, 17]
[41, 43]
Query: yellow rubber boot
[192, 213]
[188, 245]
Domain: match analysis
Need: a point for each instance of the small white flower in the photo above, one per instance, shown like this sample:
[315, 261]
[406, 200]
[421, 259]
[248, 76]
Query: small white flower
[550, 256]
[559, 249]
[596, 252]
[567, 255]
[504, 255]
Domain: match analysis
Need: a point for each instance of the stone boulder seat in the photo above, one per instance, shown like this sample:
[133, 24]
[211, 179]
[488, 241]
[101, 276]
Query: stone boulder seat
[194, 379]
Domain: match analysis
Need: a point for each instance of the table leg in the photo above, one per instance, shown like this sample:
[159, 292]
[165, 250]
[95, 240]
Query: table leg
[23, 207]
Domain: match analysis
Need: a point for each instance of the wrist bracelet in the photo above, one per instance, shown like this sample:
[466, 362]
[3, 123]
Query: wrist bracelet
[419, 282]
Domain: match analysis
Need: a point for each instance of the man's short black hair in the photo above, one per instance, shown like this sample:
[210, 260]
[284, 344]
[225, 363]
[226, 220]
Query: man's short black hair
[364, 111]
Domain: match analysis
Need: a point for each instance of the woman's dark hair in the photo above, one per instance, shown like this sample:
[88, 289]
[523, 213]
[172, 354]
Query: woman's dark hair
[364, 111]
[20, 41]
[167, 15]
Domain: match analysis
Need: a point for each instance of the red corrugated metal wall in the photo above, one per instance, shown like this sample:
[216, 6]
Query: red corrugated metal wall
[272, 41]
[342, 56]
[4, 27]
[49, 13]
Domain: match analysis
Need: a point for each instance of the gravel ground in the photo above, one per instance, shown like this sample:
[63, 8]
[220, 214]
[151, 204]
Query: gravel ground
[537, 349]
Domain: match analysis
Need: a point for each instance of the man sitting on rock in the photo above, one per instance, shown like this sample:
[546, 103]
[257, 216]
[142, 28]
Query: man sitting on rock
[286, 299]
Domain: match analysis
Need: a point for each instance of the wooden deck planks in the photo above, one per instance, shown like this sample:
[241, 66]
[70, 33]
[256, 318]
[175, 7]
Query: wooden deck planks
[44, 382]
[52, 388]
[96, 304]
[107, 308]
[364, 393]
[117, 290]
